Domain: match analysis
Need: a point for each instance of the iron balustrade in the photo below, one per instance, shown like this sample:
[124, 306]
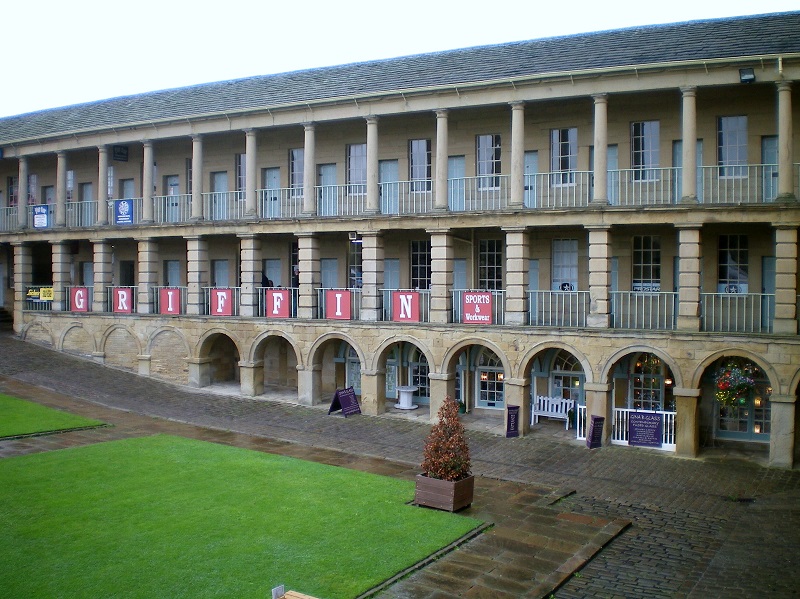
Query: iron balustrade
[155, 298]
[50, 210]
[33, 299]
[224, 205]
[407, 197]
[341, 200]
[642, 187]
[567, 189]
[355, 302]
[653, 310]
[172, 208]
[424, 303]
[746, 184]
[280, 203]
[261, 309]
[619, 427]
[475, 194]
[9, 220]
[737, 312]
[136, 217]
[558, 308]
[236, 298]
[498, 304]
[81, 214]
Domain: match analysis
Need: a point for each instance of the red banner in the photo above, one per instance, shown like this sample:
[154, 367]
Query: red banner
[221, 302]
[169, 300]
[337, 304]
[405, 306]
[79, 299]
[123, 300]
[476, 307]
[277, 303]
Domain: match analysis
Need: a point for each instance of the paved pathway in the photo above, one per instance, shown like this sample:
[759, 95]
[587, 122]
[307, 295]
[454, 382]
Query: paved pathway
[699, 528]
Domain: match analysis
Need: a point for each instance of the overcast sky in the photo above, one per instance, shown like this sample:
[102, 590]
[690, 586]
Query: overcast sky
[60, 52]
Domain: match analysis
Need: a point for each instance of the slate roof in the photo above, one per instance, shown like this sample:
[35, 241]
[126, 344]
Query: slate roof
[768, 34]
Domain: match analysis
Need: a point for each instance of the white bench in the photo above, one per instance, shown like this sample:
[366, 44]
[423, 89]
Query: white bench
[552, 407]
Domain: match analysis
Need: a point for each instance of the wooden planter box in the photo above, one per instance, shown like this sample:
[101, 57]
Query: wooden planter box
[444, 494]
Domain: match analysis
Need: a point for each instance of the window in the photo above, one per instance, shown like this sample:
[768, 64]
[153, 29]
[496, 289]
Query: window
[566, 377]
[70, 185]
[646, 263]
[126, 189]
[487, 154]
[189, 176]
[296, 169]
[127, 273]
[644, 150]
[490, 264]
[355, 277]
[48, 194]
[419, 164]
[647, 384]
[12, 190]
[489, 371]
[563, 155]
[110, 181]
[420, 264]
[418, 372]
[33, 187]
[172, 273]
[565, 265]
[732, 146]
[239, 168]
[732, 260]
[86, 192]
[357, 169]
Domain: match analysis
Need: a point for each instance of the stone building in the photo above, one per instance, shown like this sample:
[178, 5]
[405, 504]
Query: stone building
[609, 218]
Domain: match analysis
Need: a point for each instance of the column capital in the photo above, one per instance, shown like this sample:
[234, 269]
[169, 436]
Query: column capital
[597, 227]
[305, 234]
[61, 153]
[249, 131]
[309, 126]
[197, 137]
[147, 143]
[784, 86]
[688, 226]
[514, 229]
[784, 226]
[439, 231]
[371, 119]
[442, 113]
[600, 98]
[102, 148]
[517, 104]
[689, 90]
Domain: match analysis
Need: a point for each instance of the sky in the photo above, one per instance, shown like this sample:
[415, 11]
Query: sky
[60, 53]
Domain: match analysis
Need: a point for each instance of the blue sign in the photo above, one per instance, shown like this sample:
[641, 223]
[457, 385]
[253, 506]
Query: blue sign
[645, 429]
[41, 218]
[123, 212]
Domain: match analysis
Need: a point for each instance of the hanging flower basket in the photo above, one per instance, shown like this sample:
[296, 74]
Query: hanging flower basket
[732, 385]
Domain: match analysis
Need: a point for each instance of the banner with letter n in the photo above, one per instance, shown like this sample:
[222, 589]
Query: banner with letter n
[405, 306]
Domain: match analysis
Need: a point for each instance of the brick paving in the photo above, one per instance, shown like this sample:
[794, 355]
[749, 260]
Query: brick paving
[698, 528]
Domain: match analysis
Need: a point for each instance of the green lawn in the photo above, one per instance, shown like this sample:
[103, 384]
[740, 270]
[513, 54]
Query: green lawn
[170, 517]
[19, 417]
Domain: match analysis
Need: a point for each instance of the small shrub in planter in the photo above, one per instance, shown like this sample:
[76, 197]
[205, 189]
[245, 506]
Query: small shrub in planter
[446, 481]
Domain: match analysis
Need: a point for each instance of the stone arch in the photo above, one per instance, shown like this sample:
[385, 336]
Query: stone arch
[456, 348]
[218, 358]
[76, 339]
[378, 356]
[706, 362]
[611, 362]
[390, 377]
[274, 361]
[313, 352]
[530, 355]
[121, 347]
[37, 332]
[168, 350]
[257, 346]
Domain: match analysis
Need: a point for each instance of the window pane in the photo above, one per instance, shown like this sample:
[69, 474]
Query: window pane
[732, 146]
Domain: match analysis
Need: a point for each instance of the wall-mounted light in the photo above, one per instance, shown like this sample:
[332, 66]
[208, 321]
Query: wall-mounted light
[757, 428]
[668, 382]
[747, 76]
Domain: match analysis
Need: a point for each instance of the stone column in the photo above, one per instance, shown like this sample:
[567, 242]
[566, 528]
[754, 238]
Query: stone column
[103, 273]
[309, 171]
[785, 159]
[373, 196]
[102, 185]
[599, 277]
[61, 189]
[251, 264]
[23, 277]
[22, 193]
[198, 268]
[147, 181]
[308, 259]
[372, 276]
[440, 200]
[197, 177]
[309, 383]
[782, 430]
[251, 173]
[147, 263]
[251, 378]
[785, 280]
[442, 385]
[690, 284]
[517, 155]
[517, 265]
[600, 193]
[687, 421]
[441, 276]
[199, 372]
[598, 403]
[689, 146]
[517, 392]
[373, 392]
[62, 268]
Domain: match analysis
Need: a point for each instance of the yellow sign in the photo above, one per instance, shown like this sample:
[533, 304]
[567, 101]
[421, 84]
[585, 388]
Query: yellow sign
[46, 294]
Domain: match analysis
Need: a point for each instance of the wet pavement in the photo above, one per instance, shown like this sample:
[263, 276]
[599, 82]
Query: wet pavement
[566, 521]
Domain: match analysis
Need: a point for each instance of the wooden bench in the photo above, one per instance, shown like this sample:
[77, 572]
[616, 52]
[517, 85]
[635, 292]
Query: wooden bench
[552, 407]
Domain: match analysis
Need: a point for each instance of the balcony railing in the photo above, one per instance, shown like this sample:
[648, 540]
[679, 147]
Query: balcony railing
[355, 303]
[9, 220]
[236, 297]
[285, 202]
[642, 187]
[82, 214]
[476, 194]
[567, 189]
[49, 211]
[558, 308]
[498, 305]
[644, 310]
[129, 305]
[33, 298]
[261, 310]
[180, 307]
[224, 205]
[737, 312]
[619, 427]
[341, 200]
[135, 217]
[68, 307]
[172, 209]
[407, 197]
[746, 184]
[424, 304]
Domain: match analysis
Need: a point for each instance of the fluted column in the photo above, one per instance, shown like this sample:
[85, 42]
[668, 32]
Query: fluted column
[373, 198]
[442, 253]
[309, 170]
[690, 283]
[689, 146]
[61, 189]
[197, 177]
[147, 182]
[251, 173]
[785, 160]
[517, 154]
[785, 280]
[599, 277]
[102, 185]
[442, 151]
[22, 193]
[600, 193]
